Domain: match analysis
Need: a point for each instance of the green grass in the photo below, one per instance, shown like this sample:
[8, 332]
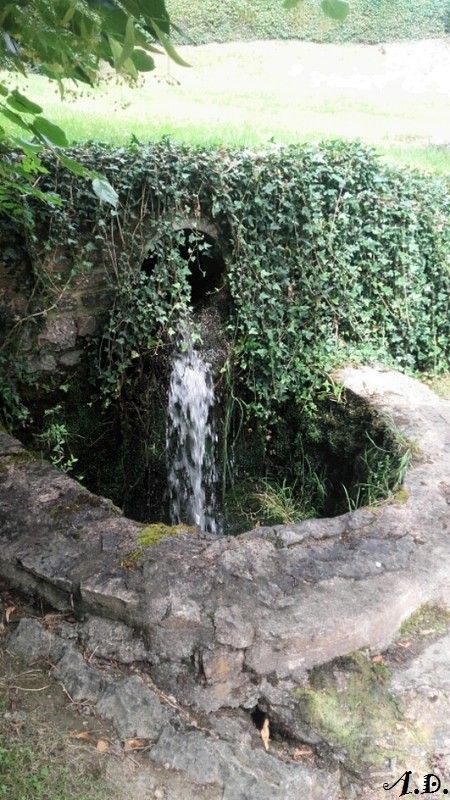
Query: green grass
[23, 776]
[247, 94]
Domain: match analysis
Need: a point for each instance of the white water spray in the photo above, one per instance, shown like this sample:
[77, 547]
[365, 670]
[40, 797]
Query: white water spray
[191, 439]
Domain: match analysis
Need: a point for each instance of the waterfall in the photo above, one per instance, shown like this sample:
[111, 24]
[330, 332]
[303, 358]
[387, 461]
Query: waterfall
[191, 439]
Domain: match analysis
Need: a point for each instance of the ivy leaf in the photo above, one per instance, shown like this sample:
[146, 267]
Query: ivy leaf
[50, 132]
[22, 104]
[336, 9]
[105, 192]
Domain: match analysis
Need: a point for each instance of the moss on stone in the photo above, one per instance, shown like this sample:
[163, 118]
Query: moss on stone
[433, 619]
[348, 705]
[401, 496]
[150, 536]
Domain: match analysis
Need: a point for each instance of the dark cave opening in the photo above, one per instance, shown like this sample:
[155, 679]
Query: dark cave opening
[205, 260]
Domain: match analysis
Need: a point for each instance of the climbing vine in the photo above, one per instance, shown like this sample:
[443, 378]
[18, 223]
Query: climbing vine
[328, 253]
[330, 256]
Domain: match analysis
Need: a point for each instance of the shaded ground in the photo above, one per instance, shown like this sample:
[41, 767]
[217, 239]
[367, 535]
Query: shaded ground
[51, 747]
[394, 96]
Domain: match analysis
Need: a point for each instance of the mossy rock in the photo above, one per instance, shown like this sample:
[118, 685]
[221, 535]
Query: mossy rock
[150, 536]
[427, 619]
[349, 708]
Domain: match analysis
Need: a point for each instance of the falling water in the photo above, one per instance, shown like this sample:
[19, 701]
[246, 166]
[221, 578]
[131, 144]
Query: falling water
[190, 442]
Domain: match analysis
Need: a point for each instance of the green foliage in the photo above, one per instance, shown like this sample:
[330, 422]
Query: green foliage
[271, 502]
[382, 469]
[67, 39]
[369, 21]
[330, 257]
[54, 439]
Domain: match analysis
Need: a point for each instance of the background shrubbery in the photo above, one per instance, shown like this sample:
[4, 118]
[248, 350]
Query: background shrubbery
[369, 21]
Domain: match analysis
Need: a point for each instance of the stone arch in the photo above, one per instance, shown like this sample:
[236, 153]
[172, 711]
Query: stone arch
[208, 267]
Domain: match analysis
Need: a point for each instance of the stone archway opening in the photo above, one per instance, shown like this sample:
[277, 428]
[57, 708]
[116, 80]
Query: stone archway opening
[204, 257]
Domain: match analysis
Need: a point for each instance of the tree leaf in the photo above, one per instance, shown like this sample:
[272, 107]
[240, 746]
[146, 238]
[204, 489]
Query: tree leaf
[69, 13]
[84, 736]
[168, 46]
[142, 61]
[265, 733]
[75, 167]
[102, 745]
[105, 192]
[50, 132]
[20, 103]
[128, 44]
[116, 50]
[16, 118]
[336, 9]
[135, 744]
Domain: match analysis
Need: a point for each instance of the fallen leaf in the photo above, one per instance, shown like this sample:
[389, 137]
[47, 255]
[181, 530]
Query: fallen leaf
[102, 745]
[135, 744]
[84, 735]
[265, 733]
[302, 752]
[8, 611]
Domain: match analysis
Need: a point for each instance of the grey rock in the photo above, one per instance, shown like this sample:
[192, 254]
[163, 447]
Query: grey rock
[134, 709]
[70, 358]
[81, 681]
[428, 673]
[32, 642]
[86, 324]
[59, 331]
[240, 773]
[109, 639]
[231, 627]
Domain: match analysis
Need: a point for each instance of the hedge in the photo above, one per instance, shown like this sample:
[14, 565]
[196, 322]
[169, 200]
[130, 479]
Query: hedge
[369, 21]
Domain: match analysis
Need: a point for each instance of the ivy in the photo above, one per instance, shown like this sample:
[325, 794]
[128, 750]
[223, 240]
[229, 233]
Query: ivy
[369, 21]
[330, 255]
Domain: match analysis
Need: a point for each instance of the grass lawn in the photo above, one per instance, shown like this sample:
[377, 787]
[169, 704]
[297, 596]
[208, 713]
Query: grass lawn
[395, 97]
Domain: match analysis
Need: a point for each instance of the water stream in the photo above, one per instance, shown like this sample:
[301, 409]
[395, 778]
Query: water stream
[191, 439]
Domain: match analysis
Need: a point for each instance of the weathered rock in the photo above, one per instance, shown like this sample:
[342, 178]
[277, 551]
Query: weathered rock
[107, 639]
[240, 773]
[81, 681]
[134, 709]
[32, 642]
[242, 621]
[59, 331]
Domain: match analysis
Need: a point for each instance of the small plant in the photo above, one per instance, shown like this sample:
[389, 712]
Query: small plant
[54, 440]
[269, 502]
[383, 467]
[276, 503]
